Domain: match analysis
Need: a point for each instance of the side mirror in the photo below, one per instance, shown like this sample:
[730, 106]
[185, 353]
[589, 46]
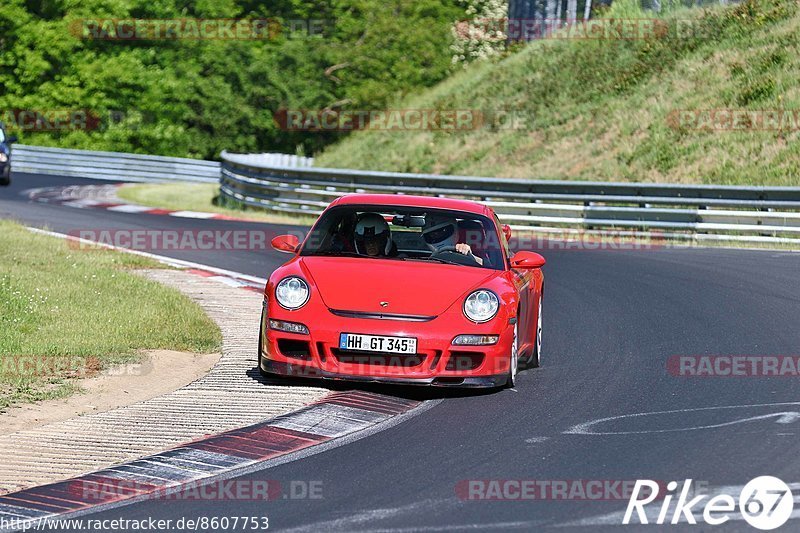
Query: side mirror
[12, 139]
[286, 243]
[527, 260]
[506, 231]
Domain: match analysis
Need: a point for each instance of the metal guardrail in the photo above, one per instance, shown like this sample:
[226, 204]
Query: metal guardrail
[115, 166]
[273, 160]
[690, 212]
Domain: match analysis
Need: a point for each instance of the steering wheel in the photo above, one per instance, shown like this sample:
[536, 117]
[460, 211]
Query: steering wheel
[452, 255]
[444, 249]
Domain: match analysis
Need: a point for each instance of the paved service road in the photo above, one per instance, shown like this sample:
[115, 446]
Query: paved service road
[612, 321]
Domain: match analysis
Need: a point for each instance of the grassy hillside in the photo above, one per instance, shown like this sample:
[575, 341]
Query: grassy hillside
[606, 109]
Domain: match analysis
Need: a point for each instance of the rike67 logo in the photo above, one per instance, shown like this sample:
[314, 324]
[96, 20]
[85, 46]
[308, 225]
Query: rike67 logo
[765, 503]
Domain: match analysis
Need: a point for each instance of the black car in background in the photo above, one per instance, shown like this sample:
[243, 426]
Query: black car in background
[5, 156]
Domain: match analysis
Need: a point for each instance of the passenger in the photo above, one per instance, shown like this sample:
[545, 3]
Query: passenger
[343, 236]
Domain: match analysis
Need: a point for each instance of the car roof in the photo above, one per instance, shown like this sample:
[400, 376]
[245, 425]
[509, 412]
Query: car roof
[434, 202]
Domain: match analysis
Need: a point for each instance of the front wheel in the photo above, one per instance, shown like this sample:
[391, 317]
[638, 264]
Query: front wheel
[513, 365]
[536, 358]
[5, 177]
[261, 343]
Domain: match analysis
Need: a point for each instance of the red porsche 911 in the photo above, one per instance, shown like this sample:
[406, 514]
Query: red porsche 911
[403, 289]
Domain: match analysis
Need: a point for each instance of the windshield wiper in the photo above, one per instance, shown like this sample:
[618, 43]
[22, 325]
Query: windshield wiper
[331, 253]
[437, 259]
[343, 253]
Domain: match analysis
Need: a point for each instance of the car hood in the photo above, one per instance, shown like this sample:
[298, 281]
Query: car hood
[409, 287]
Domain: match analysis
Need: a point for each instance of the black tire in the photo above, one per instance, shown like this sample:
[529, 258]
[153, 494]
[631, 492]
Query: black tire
[514, 366]
[537, 345]
[260, 346]
[5, 178]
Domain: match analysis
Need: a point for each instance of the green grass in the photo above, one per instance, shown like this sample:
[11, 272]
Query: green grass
[601, 109]
[69, 310]
[198, 197]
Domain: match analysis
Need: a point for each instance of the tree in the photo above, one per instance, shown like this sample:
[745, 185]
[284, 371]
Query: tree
[572, 11]
[550, 11]
[482, 36]
[193, 98]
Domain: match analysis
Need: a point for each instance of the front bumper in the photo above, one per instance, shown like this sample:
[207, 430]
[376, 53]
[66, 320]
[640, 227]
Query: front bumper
[290, 370]
[436, 363]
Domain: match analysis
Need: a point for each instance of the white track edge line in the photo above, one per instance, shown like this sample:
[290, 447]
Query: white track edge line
[160, 258]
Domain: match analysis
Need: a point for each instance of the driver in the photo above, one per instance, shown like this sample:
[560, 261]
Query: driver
[439, 234]
[373, 237]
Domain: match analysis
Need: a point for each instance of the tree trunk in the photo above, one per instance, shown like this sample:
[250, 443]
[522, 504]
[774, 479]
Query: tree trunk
[572, 11]
[550, 23]
[587, 9]
[558, 11]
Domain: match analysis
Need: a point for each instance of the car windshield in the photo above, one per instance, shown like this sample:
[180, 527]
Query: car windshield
[2, 135]
[406, 234]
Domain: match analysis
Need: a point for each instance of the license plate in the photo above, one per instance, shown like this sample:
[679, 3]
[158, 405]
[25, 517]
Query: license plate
[377, 343]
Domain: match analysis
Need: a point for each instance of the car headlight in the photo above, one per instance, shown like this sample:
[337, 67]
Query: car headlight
[3, 157]
[481, 305]
[292, 293]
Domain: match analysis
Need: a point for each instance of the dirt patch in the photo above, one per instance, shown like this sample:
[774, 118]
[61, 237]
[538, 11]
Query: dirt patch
[159, 372]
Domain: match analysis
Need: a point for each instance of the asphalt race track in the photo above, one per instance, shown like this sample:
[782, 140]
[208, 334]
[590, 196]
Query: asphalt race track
[612, 319]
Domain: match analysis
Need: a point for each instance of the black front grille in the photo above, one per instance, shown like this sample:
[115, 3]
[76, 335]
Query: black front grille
[294, 348]
[378, 359]
[464, 360]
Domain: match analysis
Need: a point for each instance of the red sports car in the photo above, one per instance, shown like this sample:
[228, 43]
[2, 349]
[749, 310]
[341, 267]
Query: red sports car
[403, 289]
